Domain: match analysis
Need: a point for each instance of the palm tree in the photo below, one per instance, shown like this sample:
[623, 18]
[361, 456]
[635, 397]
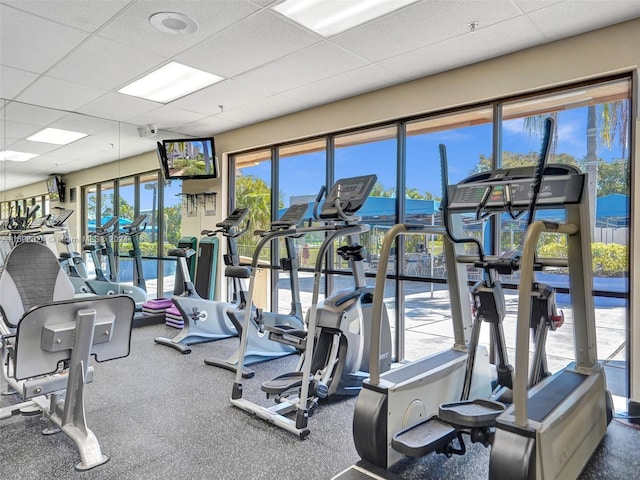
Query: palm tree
[614, 122]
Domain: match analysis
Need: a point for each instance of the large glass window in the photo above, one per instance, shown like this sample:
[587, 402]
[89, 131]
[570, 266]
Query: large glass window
[171, 221]
[126, 197]
[366, 153]
[253, 191]
[301, 173]
[592, 132]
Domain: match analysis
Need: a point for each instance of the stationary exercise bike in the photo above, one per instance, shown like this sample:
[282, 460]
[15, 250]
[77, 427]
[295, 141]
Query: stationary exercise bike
[109, 285]
[206, 320]
[259, 347]
[335, 356]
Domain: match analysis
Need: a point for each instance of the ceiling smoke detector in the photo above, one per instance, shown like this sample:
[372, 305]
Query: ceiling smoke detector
[173, 23]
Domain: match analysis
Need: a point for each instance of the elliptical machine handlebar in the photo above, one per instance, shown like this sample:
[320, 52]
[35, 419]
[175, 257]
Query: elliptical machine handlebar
[108, 228]
[227, 232]
[136, 227]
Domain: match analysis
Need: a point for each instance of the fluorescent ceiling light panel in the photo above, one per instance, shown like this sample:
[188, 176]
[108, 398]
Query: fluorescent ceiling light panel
[330, 17]
[56, 136]
[16, 156]
[170, 82]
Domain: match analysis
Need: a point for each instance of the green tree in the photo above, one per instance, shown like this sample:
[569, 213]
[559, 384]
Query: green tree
[379, 191]
[613, 177]
[125, 209]
[254, 193]
[173, 224]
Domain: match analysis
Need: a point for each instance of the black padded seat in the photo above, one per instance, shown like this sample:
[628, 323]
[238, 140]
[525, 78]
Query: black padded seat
[237, 272]
[32, 276]
[181, 252]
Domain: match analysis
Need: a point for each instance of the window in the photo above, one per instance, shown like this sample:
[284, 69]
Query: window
[592, 132]
[301, 173]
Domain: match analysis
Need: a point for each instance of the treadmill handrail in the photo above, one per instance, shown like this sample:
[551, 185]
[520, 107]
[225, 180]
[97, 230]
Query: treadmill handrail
[378, 292]
[521, 377]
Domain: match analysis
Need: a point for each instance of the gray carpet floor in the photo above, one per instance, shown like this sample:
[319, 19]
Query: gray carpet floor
[162, 415]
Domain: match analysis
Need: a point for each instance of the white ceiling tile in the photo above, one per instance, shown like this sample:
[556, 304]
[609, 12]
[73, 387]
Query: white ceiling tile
[32, 114]
[13, 81]
[314, 63]
[206, 126]
[167, 117]
[34, 147]
[87, 124]
[228, 93]
[263, 109]
[133, 28]
[116, 106]
[466, 49]
[532, 5]
[16, 130]
[55, 93]
[422, 24]
[32, 43]
[585, 15]
[80, 14]
[354, 82]
[254, 41]
[105, 64]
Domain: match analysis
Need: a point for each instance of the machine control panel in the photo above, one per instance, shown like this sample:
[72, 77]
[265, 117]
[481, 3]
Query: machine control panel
[234, 219]
[291, 217]
[500, 193]
[352, 192]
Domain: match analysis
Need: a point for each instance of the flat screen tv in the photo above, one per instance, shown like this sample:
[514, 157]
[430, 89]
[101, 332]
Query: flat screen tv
[188, 158]
[55, 187]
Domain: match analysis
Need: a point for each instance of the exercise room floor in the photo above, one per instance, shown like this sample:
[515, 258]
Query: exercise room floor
[162, 415]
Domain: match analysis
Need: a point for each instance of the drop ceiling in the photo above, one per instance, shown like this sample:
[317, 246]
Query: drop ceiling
[62, 62]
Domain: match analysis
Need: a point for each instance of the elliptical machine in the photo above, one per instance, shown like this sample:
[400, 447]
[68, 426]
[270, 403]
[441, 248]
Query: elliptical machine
[259, 348]
[335, 356]
[206, 320]
[411, 410]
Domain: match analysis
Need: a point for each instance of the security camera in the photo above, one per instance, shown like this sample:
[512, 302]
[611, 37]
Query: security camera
[148, 131]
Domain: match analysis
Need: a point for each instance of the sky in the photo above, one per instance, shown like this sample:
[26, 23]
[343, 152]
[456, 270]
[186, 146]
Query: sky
[303, 175]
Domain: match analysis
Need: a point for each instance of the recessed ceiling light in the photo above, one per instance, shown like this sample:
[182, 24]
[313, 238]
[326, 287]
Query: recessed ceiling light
[170, 82]
[330, 17]
[56, 136]
[173, 23]
[16, 156]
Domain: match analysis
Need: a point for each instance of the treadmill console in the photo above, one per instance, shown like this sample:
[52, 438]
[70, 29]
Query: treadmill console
[234, 219]
[352, 192]
[291, 217]
[505, 189]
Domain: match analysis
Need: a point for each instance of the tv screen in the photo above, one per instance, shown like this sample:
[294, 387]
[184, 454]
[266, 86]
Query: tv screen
[55, 188]
[188, 158]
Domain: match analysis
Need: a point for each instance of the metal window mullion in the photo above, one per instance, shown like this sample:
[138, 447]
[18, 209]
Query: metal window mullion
[401, 204]
[160, 229]
[275, 244]
[330, 178]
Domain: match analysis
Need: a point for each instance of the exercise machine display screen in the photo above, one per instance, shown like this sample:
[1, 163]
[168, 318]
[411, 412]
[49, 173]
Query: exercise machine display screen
[234, 219]
[352, 192]
[292, 216]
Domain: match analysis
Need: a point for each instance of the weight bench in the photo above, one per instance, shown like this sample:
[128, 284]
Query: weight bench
[47, 339]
